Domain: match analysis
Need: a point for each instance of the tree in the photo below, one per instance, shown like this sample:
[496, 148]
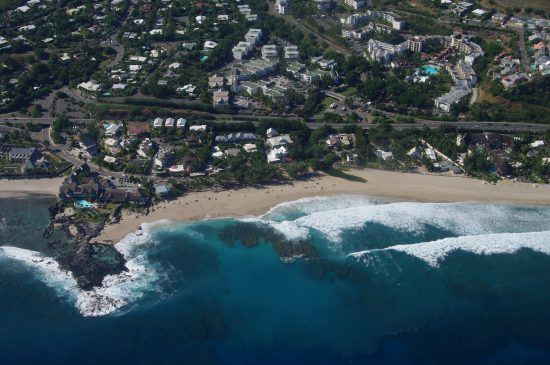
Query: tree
[478, 162]
[296, 169]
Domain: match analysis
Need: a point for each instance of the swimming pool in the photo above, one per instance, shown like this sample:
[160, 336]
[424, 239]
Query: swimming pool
[430, 69]
[84, 204]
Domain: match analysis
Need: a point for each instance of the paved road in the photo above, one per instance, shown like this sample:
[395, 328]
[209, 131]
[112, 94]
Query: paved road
[334, 95]
[473, 125]
[113, 42]
[39, 120]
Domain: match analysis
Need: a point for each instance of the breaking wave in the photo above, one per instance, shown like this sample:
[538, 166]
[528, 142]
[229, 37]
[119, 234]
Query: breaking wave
[116, 293]
[481, 229]
[332, 216]
[434, 252]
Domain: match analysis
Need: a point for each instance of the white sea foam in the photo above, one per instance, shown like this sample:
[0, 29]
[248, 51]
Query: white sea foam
[316, 204]
[115, 293]
[290, 230]
[46, 268]
[120, 290]
[434, 252]
[459, 218]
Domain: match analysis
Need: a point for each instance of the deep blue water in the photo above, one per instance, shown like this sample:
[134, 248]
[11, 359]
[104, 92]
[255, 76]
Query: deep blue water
[470, 284]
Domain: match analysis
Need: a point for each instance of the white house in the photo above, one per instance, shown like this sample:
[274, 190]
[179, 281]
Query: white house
[384, 155]
[181, 123]
[271, 133]
[281, 140]
[112, 129]
[250, 147]
[210, 45]
[158, 122]
[277, 154]
[198, 128]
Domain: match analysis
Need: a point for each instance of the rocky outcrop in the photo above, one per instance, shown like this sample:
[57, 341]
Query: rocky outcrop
[252, 234]
[90, 263]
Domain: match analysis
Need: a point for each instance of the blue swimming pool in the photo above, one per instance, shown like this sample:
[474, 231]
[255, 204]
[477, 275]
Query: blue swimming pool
[430, 69]
[84, 204]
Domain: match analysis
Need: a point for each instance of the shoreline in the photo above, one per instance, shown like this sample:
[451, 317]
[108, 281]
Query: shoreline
[388, 185]
[19, 188]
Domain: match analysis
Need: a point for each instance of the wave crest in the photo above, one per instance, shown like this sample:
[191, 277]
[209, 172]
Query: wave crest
[434, 252]
[332, 216]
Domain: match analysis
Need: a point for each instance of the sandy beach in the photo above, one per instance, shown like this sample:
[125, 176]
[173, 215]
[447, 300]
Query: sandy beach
[384, 184]
[24, 187]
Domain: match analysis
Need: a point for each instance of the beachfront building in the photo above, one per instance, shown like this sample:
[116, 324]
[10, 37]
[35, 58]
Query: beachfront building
[384, 155]
[277, 154]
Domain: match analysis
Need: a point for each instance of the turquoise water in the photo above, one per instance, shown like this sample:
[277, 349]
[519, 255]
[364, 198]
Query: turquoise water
[84, 204]
[430, 70]
[345, 280]
[203, 58]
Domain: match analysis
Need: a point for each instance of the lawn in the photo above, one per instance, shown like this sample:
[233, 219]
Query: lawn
[326, 102]
[349, 91]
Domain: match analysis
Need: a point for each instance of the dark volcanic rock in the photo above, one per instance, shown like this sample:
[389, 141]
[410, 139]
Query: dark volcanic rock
[90, 263]
[251, 234]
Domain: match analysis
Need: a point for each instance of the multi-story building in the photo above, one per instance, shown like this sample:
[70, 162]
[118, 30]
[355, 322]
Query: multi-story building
[253, 36]
[356, 4]
[444, 102]
[384, 52]
[269, 52]
[242, 50]
[282, 6]
[291, 53]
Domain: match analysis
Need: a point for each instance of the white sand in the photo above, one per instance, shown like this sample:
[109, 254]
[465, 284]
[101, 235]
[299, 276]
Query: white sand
[393, 185]
[23, 187]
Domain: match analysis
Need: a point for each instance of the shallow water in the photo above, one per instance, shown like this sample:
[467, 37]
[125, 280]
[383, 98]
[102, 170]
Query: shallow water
[371, 283]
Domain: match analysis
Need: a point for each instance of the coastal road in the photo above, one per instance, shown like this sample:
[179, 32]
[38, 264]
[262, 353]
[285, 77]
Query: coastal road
[468, 125]
[39, 120]
[471, 125]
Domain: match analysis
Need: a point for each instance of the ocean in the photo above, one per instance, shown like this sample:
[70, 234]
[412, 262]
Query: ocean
[340, 280]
